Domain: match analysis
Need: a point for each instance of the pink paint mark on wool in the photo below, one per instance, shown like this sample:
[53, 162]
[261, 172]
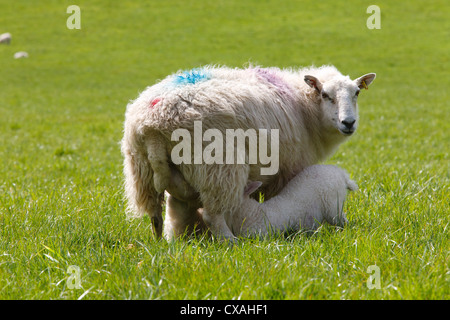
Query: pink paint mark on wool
[154, 102]
[270, 75]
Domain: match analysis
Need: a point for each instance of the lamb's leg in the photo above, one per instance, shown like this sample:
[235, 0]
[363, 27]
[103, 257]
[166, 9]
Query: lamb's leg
[334, 209]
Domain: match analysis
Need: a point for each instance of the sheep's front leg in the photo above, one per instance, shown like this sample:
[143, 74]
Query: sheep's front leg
[222, 194]
[218, 226]
[182, 218]
[183, 213]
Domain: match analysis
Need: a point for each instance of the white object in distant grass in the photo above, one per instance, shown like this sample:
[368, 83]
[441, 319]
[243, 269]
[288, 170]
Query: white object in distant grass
[20, 54]
[5, 38]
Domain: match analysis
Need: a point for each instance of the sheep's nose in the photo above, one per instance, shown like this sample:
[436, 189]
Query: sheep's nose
[348, 122]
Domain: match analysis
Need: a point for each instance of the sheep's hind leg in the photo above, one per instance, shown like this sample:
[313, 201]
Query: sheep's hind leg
[186, 216]
[156, 217]
[140, 192]
[159, 161]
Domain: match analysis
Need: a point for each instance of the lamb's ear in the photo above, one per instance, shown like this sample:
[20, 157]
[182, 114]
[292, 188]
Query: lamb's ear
[364, 81]
[313, 82]
[251, 187]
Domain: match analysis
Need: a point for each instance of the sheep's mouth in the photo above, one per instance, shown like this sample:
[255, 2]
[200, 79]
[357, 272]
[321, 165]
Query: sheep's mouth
[347, 132]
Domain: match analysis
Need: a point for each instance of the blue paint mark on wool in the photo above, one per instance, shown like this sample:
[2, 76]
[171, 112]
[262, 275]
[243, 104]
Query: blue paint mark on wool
[191, 77]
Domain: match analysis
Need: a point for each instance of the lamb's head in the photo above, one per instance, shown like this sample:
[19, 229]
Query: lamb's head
[338, 100]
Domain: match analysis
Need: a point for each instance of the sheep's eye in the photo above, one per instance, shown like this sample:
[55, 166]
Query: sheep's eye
[326, 96]
[357, 93]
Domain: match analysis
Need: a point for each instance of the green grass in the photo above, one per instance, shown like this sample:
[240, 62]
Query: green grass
[62, 111]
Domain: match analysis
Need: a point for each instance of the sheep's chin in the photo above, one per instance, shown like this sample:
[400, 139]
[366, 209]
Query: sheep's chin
[347, 133]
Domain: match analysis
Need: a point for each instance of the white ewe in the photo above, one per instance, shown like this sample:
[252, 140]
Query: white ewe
[313, 109]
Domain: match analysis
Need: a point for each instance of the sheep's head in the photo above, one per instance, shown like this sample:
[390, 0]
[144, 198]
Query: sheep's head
[338, 100]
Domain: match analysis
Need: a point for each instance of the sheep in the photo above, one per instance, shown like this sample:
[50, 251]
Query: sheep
[313, 110]
[315, 195]
[20, 54]
[5, 38]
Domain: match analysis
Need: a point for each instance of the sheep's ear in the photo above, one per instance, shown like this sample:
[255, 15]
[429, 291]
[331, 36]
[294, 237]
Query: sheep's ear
[313, 82]
[251, 187]
[364, 81]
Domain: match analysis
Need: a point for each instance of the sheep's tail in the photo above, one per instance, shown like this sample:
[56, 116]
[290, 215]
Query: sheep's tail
[140, 191]
[351, 185]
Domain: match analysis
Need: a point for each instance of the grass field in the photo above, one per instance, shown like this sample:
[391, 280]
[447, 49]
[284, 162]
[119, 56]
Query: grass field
[62, 111]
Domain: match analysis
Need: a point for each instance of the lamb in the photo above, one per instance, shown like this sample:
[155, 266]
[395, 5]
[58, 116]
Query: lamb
[313, 110]
[315, 195]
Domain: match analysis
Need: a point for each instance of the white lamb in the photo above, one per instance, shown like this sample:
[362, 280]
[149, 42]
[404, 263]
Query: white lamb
[315, 195]
[313, 109]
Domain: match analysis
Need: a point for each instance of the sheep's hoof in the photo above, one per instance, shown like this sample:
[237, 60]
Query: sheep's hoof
[231, 242]
[157, 227]
[227, 240]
